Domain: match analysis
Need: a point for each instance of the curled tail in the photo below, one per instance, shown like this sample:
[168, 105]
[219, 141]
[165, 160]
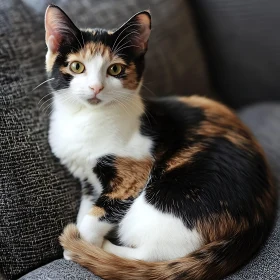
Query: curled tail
[211, 262]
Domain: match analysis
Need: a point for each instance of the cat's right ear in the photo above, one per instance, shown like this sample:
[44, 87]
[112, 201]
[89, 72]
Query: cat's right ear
[59, 28]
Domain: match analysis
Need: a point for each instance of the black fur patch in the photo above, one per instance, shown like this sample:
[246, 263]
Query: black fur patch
[222, 172]
[115, 208]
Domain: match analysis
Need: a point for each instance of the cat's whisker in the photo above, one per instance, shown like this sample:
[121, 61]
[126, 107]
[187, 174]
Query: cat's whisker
[127, 47]
[43, 98]
[133, 31]
[52, 98]
[117, 50]
[132, 24]
[148, 89]
[42, 83]
[123, 105]
[134, 103]
[69, 30]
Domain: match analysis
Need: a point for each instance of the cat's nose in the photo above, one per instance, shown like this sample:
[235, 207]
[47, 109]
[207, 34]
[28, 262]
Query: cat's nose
[96, 88]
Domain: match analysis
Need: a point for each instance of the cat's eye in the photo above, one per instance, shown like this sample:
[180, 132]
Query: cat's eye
[77, 67]
[115, 69]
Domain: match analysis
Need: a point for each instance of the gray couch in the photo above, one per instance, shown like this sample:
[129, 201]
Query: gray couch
[225, 49]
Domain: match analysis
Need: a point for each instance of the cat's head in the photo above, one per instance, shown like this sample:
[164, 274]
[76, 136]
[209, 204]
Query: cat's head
[95, 66]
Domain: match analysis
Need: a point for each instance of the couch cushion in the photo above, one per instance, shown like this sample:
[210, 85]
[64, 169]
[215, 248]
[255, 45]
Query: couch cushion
[60, 270]
[264, 121]
[38, 197]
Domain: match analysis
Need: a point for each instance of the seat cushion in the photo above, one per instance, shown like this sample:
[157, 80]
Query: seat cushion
[264, 120]
[60, 270]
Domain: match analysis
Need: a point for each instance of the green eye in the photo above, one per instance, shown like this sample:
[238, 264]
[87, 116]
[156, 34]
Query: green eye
[77, 67]
[115, 69]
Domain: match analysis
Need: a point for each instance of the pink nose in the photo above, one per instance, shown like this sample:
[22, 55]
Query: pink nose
[96, 88]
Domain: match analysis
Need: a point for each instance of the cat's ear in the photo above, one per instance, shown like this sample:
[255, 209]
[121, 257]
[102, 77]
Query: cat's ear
[135, 33]
[59, 28]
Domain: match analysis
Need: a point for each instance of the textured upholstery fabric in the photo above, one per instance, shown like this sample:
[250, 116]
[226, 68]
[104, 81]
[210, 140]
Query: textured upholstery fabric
[61, 270]
[243, 44]
[38, 197]
[264, 121]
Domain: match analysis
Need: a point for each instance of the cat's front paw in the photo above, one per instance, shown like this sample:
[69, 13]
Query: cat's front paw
[88, 230]
[67, 255]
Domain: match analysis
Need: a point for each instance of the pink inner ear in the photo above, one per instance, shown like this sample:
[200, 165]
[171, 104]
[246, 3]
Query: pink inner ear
[52, 43]
[145, 30]
[53, 36]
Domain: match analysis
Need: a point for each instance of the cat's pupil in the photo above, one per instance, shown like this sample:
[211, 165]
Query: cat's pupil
[115, 68]
[77, 66]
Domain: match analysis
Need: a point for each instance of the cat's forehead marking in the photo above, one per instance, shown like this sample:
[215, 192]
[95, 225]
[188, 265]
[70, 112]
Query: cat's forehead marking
[90, 50]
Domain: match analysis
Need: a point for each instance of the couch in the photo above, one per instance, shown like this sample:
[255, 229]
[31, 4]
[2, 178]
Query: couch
[225, 49]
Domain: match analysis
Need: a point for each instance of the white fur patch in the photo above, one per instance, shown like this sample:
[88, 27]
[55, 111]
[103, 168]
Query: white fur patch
[93, 230]
[80, 136]
[156, 236]
[85, 206]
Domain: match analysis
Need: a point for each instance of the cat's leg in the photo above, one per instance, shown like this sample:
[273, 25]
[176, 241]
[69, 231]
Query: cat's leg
[87, 201]
[102, 218]
[140, 253]
[152, 235]
[85, 206]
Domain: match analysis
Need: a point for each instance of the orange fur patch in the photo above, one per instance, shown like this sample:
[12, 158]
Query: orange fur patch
[221, 122]
[130, 82]
[220, 227]
[97, 211]
[132, 176]
[183, 156]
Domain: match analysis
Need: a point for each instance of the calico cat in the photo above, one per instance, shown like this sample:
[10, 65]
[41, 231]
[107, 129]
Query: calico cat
[182, 179]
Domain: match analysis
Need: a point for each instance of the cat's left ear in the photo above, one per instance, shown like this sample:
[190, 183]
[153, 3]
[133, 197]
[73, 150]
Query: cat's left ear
[59, 29]
[134, 33]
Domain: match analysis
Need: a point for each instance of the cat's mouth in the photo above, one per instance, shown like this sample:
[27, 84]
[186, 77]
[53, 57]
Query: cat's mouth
[94, 100]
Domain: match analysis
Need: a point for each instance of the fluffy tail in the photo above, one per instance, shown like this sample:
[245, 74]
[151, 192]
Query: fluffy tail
[211, 262]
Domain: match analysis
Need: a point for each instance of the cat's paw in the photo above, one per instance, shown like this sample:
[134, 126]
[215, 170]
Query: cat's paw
[69, 236]
[67, 255]
[88, 230]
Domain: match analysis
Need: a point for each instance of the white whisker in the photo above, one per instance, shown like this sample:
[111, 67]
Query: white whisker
[43, 83]
[133, 31]
[135, 24]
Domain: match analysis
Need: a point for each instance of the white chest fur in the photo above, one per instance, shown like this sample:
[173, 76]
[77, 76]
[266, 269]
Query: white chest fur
[79, 136]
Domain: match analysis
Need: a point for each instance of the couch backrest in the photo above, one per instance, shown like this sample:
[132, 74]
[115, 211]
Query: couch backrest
[242, 43]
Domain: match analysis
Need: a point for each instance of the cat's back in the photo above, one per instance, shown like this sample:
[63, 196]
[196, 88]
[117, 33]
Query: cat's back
[207, 162]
